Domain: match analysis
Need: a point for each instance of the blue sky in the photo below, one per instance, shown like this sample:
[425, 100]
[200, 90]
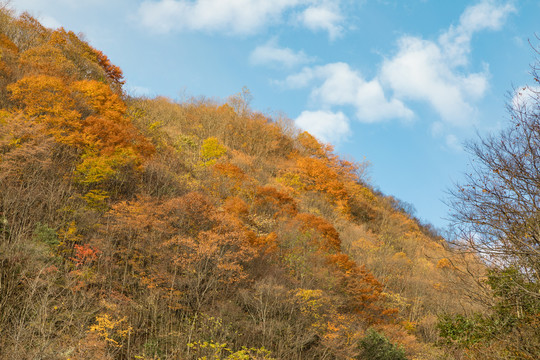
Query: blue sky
[401, 84]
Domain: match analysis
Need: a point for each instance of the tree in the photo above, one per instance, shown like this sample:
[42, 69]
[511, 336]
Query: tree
[497, 214]
[498, 208]
[375, 346]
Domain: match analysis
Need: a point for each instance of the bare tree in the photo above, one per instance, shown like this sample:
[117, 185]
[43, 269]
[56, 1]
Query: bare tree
[497, 208]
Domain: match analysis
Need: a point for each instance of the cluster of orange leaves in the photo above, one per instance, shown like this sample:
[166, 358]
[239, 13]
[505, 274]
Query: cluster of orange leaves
[84, 113]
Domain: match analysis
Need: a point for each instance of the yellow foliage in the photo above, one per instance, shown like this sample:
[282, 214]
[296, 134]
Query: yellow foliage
[212, 150]
[96, 199]
[401, 256]
[96, 169]
[110, 330]
[444, 264]
[291, 180]
[312, 303]
[70, 233]
[410, 326]
[220, 351]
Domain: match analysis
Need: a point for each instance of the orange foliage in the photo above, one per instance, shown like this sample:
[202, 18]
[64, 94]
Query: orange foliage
[44, 96]
[201, 249]
[46, 60]
[98, 98]
[312, 146]
[229, 170]
[221, 251]
[106, 126]
[271, 201]
[228, 180]
[324, 228]
[444, 264]
[363, 290]
[7, 44]
[193, 213]
[24, 149]
[113, 72]
[318, 176]
[236, 206]
[109, 139]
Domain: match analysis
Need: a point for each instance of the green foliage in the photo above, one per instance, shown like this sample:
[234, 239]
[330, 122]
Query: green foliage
[515, 315]
[4, 227]
[152, 349]
[187, 142]
[47, 235]
[375, 346]
[461, 330]
[517, 297]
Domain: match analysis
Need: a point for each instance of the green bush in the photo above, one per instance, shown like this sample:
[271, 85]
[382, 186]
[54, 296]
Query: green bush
[375, 346]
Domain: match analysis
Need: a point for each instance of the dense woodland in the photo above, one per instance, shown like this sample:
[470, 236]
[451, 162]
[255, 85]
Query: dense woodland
[137, 228]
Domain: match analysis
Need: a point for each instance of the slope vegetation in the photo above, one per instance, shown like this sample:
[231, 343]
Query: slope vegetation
[151, 229]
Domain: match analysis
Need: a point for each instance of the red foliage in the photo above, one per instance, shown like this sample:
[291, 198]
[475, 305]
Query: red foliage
[84, 254]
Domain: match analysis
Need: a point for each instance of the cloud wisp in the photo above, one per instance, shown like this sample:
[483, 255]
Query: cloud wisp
[239, 17]
[325, 17]
[272, 55]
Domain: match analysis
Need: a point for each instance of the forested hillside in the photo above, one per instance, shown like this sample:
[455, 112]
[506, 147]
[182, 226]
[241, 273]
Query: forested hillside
[137, 228]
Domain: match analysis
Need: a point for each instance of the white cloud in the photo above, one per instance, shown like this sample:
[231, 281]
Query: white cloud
[270, 54]
[339, 85]
[526, 99]
[420, 71]
[49, 5]
[323, 17]
[301, 79]
[237, 16]
[486, 15]
[325, 125]
[434, 72]
[234, 16]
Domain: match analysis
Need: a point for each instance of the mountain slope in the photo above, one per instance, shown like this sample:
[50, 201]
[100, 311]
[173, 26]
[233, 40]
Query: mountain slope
[146, 228]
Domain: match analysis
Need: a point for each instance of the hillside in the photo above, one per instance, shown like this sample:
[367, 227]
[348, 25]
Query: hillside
[137, 228]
